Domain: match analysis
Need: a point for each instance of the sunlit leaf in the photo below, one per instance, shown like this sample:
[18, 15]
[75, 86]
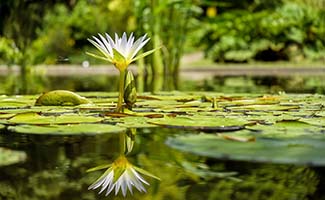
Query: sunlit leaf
[60, 98]
[320, 121]
[72, 129]
[201, 123]
[36, 118]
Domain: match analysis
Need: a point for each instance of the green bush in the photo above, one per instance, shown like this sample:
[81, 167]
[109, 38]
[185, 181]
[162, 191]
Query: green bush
[9, 52]
[289, 32]
[65, 30]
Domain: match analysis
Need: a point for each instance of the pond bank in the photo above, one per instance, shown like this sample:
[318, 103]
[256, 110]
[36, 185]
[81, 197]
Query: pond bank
[194, 73]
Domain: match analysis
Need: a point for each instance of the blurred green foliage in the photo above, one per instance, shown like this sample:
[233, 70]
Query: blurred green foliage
[55, 32]
[65, 30]
[231, 31]
[168, 23]
[283, 30]
[9, 53]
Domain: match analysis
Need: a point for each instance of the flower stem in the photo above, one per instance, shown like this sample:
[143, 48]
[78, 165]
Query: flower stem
[122, 143]
[119, 107]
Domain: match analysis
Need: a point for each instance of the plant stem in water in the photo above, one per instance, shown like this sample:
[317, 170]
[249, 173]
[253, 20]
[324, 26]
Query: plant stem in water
[119, 107]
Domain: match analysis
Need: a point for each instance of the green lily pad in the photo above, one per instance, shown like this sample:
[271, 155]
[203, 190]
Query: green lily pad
[60, 98]
[2, 126]
[131, 122]
[35, 118]
[320, 113]
[9, 157]
[300, 150]
[6, 115]
[72, 129]
[17, 101]
[315, 121]
[201, 123]
[270, 118]
[262, 108]
[286, 129]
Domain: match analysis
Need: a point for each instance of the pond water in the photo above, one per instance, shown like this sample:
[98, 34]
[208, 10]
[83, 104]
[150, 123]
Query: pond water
[56, 169]
[56, 166]
[227, 84]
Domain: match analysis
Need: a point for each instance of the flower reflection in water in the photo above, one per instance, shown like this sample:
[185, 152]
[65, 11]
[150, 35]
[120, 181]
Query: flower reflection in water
[121, 175]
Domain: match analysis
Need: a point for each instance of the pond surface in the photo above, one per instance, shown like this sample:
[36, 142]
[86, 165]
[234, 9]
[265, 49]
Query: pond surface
[56, 169]
[200, 145]
[228, 84]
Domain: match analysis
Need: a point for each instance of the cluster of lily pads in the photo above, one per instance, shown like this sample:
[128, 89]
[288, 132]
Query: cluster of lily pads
[277, 128]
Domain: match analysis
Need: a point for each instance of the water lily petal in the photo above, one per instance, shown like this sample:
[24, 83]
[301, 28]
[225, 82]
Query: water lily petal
[130, 43]
[138, 176]
[137, 46]
[124, 182]
[108, 181]
[110, 40]
[100, 48]
[107, 45]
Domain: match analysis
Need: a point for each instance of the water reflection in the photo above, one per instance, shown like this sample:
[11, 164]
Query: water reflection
[56, 170]
[37, 83]
[121, 174]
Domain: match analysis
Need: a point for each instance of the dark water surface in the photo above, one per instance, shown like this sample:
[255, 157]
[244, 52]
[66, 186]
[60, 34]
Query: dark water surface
[56, 169]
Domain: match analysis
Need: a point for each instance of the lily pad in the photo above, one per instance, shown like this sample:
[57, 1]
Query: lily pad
[2, 126]
[300, 150]
[15, 101]
[131, 122]
[72, 129]
[201, 123]
[262, 108]
[315, 121]
[35, 118]
[9, 157]
[286, 129]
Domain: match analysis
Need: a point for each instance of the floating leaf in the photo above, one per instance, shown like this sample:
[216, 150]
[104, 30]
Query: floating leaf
[315, 121]
[6, 115]
[71, 129]
[130, 122]
[60, 98]
[300, 150]
[9, 157]
[262, 108]
[201, 123]
[15, 101]
[286, 129]
[36, 118]
[320, 113]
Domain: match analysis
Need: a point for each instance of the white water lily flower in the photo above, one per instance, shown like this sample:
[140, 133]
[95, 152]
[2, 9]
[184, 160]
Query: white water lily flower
[121, 175]
[121, 51]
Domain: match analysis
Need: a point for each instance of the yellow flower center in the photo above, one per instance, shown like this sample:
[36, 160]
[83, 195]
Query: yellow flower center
[121, 162]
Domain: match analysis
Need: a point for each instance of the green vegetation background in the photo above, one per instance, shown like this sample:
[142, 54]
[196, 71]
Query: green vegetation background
[56, 31]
